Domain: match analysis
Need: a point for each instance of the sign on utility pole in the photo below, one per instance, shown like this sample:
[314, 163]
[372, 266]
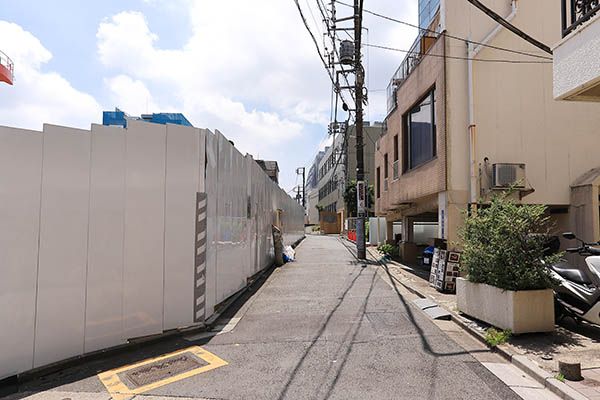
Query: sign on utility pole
[303, 169]
[360, 166]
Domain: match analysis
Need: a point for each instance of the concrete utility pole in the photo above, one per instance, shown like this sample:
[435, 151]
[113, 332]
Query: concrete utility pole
[303, 184]
[360, 166]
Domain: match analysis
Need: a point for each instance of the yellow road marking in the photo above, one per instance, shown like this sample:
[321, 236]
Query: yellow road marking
[119, 391]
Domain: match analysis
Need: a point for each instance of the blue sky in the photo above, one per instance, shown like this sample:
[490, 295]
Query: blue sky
[248, 69]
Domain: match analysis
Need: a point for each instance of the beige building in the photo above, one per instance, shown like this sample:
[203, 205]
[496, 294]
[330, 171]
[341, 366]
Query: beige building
[466, 120]
[577, 78]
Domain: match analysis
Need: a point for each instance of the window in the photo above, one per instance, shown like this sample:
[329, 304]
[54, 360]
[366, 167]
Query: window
[396, 148]
[427, 10]
[378, 182]
[385, 166]
[419, 133]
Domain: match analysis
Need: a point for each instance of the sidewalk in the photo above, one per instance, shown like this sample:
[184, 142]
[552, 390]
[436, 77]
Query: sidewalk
[568, 342]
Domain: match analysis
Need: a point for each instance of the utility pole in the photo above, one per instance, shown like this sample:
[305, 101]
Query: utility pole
[297, 190]
[358, 125]
[303, 169]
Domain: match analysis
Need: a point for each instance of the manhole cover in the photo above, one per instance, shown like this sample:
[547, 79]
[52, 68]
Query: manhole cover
[162, 369]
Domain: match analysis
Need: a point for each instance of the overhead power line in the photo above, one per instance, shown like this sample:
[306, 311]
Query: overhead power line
[316, 44]
[493, 60]
[466, 40]
[493, 15]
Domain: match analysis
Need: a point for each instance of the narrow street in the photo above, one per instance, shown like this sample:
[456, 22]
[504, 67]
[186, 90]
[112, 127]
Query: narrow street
[322, 327]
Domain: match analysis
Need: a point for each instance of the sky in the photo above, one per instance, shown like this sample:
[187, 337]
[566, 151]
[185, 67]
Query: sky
[246, 68]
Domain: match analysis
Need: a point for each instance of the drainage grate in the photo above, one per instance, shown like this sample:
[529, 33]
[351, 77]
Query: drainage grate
[162, 369]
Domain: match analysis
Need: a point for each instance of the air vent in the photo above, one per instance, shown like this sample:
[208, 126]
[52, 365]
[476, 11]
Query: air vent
[504, 175]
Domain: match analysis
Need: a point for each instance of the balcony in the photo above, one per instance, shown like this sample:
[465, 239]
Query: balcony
[413, 57]
[577, 55]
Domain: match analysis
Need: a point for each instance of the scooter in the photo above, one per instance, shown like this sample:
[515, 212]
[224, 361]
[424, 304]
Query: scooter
[578, 295]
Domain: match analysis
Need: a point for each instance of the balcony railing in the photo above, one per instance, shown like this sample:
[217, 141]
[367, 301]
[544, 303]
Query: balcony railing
[576, 12]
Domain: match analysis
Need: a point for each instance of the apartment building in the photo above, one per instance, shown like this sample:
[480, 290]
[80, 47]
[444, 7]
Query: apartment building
[465, 120]
[312, 189]
[338, 166]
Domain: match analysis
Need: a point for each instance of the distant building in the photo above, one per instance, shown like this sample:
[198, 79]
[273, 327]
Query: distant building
[271, 168]
[337, 166]
[119, 118]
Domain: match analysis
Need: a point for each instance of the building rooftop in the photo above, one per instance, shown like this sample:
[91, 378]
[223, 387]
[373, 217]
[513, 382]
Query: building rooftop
[271, 168]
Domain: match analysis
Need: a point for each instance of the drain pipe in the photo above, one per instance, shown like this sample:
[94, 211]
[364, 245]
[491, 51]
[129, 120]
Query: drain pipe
[472, 148]
[472, 53]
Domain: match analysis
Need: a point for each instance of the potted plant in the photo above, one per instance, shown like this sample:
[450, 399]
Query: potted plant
[388, 251]
[507, 282]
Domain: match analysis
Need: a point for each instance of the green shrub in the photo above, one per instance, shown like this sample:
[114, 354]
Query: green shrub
[316, 228]
[367, 230]
[502, 246]
[386, 249]
[495, 337]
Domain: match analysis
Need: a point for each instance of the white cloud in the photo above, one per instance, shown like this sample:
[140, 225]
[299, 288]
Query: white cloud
[131, 95]
[38, 97]
[263, 61]
[250, 69]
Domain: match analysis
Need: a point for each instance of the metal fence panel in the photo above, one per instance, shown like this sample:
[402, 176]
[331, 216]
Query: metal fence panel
[144, 229]
[104, 302]
[20, 174]
[63, 244]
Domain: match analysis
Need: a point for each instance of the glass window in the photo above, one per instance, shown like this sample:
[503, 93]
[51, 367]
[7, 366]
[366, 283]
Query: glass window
[378, 182]
[427, 10]
[420, 135]
[385, 166]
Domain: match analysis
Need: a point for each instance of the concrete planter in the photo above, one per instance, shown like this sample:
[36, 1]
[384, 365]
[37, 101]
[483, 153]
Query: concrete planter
[520, 311]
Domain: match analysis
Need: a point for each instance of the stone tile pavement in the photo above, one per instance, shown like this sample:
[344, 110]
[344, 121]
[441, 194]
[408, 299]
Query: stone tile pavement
[570, 340]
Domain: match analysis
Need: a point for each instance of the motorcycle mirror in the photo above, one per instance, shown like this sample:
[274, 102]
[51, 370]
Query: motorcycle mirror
[569, 235]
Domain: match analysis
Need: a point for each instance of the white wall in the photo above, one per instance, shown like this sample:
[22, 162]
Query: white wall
[62, 265]
[103, 224]
[20, 180]
[576, 63]
[104, 300]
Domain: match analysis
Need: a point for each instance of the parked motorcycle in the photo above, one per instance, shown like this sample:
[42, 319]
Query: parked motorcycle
[578, 294]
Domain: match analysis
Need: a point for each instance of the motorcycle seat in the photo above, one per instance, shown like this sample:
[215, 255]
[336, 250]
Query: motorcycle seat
[571, 274]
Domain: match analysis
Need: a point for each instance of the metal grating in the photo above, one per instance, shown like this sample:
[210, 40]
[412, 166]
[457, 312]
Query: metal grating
[162, 369]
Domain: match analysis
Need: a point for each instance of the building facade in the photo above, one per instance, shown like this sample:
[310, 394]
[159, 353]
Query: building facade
[338, 166]
[461, 126]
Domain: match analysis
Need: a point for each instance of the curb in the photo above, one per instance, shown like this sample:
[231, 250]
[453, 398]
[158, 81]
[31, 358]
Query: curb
[528, 366]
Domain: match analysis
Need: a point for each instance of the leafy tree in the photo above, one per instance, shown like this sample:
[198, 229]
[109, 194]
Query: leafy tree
[504, 245]
[350, 197]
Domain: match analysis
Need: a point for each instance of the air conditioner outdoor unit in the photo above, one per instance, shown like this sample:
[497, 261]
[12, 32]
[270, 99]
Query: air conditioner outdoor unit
[504, 175]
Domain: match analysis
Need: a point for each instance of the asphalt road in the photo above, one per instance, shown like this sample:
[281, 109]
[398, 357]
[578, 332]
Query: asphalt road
[322, 327]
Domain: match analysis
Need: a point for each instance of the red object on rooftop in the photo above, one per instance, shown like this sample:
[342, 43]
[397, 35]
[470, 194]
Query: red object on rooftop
[7, 69]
